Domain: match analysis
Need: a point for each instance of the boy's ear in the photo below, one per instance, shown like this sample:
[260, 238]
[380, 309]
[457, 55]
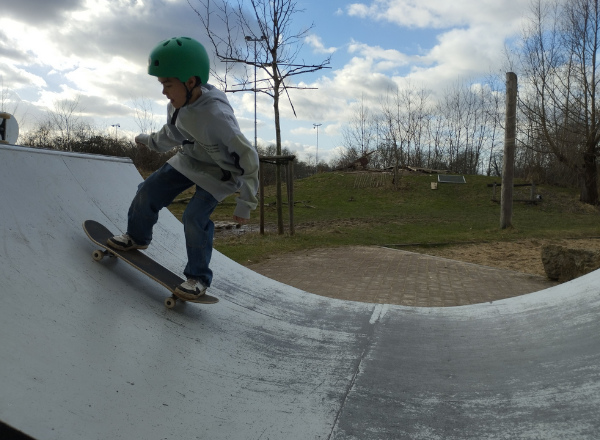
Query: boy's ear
[191, 82]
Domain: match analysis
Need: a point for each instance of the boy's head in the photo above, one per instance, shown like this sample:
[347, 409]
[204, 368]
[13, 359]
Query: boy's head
[181, 58]
[177, 62]
[178, 93]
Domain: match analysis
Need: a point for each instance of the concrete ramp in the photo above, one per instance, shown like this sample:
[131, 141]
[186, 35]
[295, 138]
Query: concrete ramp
[88, 351]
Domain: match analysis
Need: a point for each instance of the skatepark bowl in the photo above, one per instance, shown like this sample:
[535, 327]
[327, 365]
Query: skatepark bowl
[88, 351]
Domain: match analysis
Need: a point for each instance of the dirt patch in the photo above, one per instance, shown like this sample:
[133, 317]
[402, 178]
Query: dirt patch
[521, 256]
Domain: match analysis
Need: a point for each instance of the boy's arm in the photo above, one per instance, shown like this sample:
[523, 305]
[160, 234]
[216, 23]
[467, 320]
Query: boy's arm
[163, 140]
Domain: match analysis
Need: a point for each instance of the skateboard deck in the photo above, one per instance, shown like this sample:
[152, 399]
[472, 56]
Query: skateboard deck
[9, 129]
[142, 262]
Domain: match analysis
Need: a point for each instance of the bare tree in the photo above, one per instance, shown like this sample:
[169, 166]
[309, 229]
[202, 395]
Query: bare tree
[390, 114]
[560, 92]
[494, 111]
[360, 134]
[5, 98]
[144, 115]
[410, 129]
[465, 126]
[61, 129]
[259, 37]
[406, 115]
[64, 121]
[455, 111]
[10, 102]
[412, 122]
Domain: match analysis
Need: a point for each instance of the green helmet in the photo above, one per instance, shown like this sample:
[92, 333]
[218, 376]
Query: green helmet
[179, 57]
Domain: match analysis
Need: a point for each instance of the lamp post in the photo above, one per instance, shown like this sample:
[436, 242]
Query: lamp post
[317, 157]
[116, 130]
[248, 38]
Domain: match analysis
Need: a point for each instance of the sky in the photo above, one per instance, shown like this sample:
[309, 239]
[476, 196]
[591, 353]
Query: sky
[96, 51]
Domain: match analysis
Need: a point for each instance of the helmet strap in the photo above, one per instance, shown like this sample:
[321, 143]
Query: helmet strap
[188, 96]
[189, 92]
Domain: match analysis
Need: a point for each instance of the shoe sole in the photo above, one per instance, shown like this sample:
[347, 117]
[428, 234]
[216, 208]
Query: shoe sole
[187, 296]
[124, 248]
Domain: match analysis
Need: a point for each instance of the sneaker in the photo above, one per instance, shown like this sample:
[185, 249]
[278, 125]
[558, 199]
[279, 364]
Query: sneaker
[190, 290]
[125, 243]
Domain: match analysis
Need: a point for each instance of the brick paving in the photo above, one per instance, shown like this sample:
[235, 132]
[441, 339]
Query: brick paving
[390, 276]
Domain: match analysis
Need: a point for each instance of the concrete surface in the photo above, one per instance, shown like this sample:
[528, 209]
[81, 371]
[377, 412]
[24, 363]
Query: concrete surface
[88, 350]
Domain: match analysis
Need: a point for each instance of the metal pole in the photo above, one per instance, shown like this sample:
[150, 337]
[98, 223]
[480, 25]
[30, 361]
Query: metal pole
[261, 185]
[248, 38]
[116, 131]
[317, 157]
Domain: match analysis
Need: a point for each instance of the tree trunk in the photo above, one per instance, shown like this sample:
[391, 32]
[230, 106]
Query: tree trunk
[589, 184]
[279, 202]
[508, 167]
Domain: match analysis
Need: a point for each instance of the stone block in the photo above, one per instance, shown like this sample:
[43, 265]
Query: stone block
[564, 264]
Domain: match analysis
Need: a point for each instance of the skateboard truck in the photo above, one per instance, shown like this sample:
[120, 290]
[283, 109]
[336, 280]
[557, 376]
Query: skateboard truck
[99, 254]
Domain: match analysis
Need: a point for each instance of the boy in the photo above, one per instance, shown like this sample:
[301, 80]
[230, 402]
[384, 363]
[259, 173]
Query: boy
[216, 157]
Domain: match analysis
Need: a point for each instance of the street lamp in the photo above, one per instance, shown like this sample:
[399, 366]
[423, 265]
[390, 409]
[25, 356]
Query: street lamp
[317, 159]
[248, 38]
[117, 126]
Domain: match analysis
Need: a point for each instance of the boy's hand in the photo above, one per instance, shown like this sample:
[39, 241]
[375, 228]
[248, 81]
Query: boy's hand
[240, 220]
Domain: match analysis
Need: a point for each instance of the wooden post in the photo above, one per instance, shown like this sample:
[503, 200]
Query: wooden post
[290, 191]
[261, 198]
[278, 202]
[277, 161]
[508, 167]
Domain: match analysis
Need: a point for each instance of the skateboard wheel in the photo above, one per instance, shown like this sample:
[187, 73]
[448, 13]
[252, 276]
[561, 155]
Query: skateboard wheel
[170, 302]
[97, 255]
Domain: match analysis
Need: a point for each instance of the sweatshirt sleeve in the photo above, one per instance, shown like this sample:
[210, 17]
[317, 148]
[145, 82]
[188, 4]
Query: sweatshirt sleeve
[163, 140]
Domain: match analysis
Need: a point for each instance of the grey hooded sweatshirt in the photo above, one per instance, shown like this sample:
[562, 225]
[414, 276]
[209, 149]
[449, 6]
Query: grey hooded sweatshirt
[216, 155]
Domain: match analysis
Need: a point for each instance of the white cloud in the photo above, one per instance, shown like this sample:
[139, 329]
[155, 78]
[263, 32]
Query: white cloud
[383, 60]
[39, 12]
[96, 49]
[470, 39]
[362, 10]
[317, 44]
[439, 14]
[14, 77]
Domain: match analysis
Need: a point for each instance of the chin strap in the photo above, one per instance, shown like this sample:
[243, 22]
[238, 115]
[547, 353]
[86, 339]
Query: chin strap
[188, 96]
[174, 117]
[189, 92]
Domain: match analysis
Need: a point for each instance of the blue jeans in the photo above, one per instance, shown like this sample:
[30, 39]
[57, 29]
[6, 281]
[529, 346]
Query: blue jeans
[158, 191]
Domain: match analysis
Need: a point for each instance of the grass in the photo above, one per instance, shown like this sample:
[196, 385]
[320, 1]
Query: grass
[334, 212]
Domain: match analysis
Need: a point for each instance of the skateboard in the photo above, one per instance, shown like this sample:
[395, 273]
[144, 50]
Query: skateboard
[9, 129]
[142, 262]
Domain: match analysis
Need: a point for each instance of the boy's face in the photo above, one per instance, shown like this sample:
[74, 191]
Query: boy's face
[174, 90]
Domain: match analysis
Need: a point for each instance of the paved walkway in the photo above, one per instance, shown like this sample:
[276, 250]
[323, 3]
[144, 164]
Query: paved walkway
[390, 276]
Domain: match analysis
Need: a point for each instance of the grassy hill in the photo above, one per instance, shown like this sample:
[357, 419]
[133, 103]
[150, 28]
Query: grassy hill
[339, 209]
